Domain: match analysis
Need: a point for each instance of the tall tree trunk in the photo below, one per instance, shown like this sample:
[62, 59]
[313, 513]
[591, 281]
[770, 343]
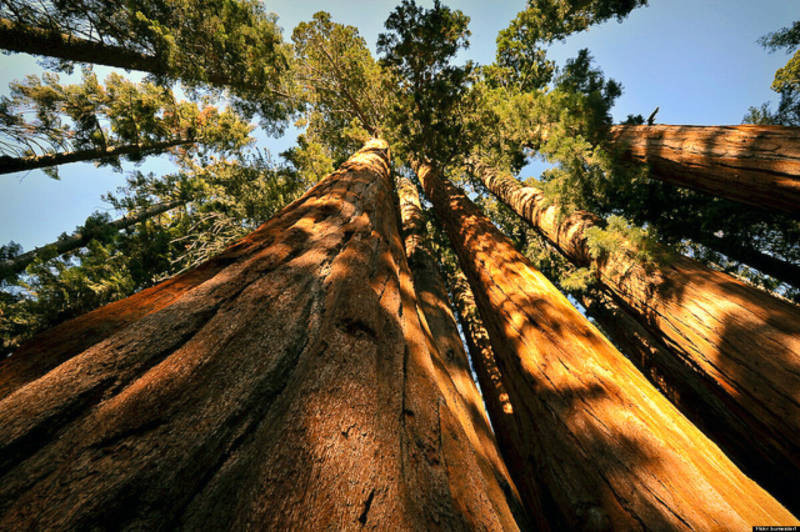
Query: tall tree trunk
[743, 342]
[704, 405]
[18, 37]
[292, 388]
[607, 446]
[451, 363]
[756, 165]
[653, 358]
[80, 238]
[32, 162]
[780, 269]
[501, 411]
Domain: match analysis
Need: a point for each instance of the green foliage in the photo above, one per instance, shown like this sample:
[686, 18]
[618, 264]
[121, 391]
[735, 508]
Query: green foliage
[312, 160]
[230, 43]
[343, 91]
[43, 116]
[619, 235]
[578, 280]
[226, 199]
[337, 74]
[431, 96]
[521, 61]
[786, 82]
[567, 126]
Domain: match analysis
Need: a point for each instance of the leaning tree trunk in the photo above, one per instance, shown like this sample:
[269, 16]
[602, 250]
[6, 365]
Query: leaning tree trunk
[501, 411]
[452, 364]
[608, 447]
[687, 390]
[743, 342]
[80, 238]
[782, 270]
[292, 388]
[18, 37]
[757, 165]
[32, 162]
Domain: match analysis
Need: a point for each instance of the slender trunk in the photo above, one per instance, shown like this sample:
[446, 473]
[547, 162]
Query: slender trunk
[18, 37]
[80, 238]
[451, 363]
[756, 165]
[292, 388]
[743, 342]
[780, 269]
[608, 447]
[32, 162]
[501, 411]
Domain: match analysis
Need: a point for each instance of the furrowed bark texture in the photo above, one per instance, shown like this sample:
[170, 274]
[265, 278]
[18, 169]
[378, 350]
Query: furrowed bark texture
[756, 165]
[451, 363]
[606, 445]
[744, 343]
[21, 164]
[79, 239]
[650, 355]
[687, 390]
[495, 394]
[292, 388]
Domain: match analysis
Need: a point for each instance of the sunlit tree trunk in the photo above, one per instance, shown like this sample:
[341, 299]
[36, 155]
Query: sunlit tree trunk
[757, 165]
[451, 364]
[610, 450]
[32, 162]
[81, 238]
[504, 420]
[291, 388]
[743, 342]
[704, 405]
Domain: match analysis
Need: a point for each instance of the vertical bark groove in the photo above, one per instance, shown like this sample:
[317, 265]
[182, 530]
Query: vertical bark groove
[266, 391]
[712, 323]
[451, 365]
[610, 449]
[501, 410]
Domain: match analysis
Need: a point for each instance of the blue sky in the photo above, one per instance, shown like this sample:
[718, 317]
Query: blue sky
[697, 60]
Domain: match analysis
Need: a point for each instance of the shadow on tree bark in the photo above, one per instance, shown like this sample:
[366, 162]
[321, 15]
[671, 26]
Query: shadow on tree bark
[607, 448]
[287, 383]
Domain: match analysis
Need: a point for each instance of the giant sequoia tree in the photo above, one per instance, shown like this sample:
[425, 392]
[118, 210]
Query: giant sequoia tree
[232, 352]
[340, 360]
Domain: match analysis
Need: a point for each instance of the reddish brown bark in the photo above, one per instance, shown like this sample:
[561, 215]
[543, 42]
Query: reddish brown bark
[609, 448]
[744, 343]
[292, 388]
[704, 405]
[450, 359]
[757, 165]
[501, 411]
